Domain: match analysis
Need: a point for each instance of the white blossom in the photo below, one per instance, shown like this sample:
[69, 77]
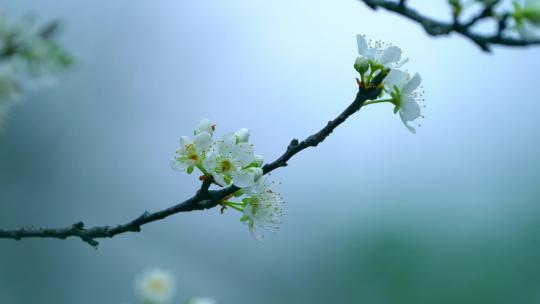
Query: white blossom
[263, 209]
[155, 286]
[403, 90]
[232, 162]
[191, 152]
[376, 55]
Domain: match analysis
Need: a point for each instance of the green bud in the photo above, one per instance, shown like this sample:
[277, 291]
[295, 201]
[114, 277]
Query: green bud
[361, 65]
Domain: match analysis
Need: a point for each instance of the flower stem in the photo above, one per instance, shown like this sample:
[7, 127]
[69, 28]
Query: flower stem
[233, 205]
[377, 101]
[201, 168]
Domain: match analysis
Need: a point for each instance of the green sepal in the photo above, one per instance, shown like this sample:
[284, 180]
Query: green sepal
[190, 169]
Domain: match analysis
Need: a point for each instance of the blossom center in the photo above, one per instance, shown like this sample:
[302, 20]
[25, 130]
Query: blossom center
[225, 165]
[157, 286]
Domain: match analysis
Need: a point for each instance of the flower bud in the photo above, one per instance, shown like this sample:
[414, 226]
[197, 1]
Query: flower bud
[258, 174]
[361, 65]
[242, 135]
[258, 160]
[205, 125]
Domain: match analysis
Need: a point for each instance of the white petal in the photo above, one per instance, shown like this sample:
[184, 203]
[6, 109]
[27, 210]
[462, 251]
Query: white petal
[391, 54]
[228, 141]
[258, 159]
[205, 125]
[410, 110]
[256, 235]
[243, 154]
[396, 78]
[178, 165]
[218, 178]
[242, 135]
[184, 141]
[410, 86]
[362, 45]
[413, 130]
[203, 141]
[244, 178]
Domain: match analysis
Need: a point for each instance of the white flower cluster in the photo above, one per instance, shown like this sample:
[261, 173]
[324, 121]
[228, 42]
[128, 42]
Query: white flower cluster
[27, 53]
[527, 17]
[158, 286]
[399, 86]
[232, 161]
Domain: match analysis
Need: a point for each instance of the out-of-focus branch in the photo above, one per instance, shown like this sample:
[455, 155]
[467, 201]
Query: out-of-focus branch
[465, 29]
[204, 198]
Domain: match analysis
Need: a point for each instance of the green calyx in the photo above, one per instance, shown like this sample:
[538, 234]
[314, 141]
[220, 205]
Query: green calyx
[396, 99]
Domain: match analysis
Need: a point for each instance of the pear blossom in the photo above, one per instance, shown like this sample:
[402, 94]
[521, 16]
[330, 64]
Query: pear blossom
[262, 209]
[201, 300]
[403, 91]
[155, 286]
[376, 55]
[232, 162]
[527, 17]
[192, 152]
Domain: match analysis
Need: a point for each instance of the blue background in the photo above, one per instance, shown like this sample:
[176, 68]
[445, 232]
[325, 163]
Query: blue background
[373, 215]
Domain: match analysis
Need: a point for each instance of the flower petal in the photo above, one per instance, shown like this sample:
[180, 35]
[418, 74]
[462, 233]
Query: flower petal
[410, 86]
[413, 130]
[178, 165]
[184, 141]
[396, 78]
[205, 125]
[362, 45]
[243, 154]
[391, 54]
[410, 110]
[203, 141]
[244, 178]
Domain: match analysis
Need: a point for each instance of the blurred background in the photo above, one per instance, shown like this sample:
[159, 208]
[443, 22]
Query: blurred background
[373, 215]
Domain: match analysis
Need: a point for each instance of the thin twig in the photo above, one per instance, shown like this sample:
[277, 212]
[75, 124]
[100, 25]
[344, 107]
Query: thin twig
[204, 198]
[439, 28]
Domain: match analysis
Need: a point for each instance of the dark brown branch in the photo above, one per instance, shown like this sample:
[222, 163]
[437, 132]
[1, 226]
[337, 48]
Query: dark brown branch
[439, 28]
[204, 198]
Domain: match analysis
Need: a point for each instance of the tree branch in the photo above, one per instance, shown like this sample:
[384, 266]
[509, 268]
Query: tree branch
[439, 28]
[204, 198]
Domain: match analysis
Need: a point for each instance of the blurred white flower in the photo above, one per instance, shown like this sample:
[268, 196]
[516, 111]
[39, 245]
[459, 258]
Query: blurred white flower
[527, 17]
[402, 89]
[155, 286]
[263, 209]
[201, 300]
